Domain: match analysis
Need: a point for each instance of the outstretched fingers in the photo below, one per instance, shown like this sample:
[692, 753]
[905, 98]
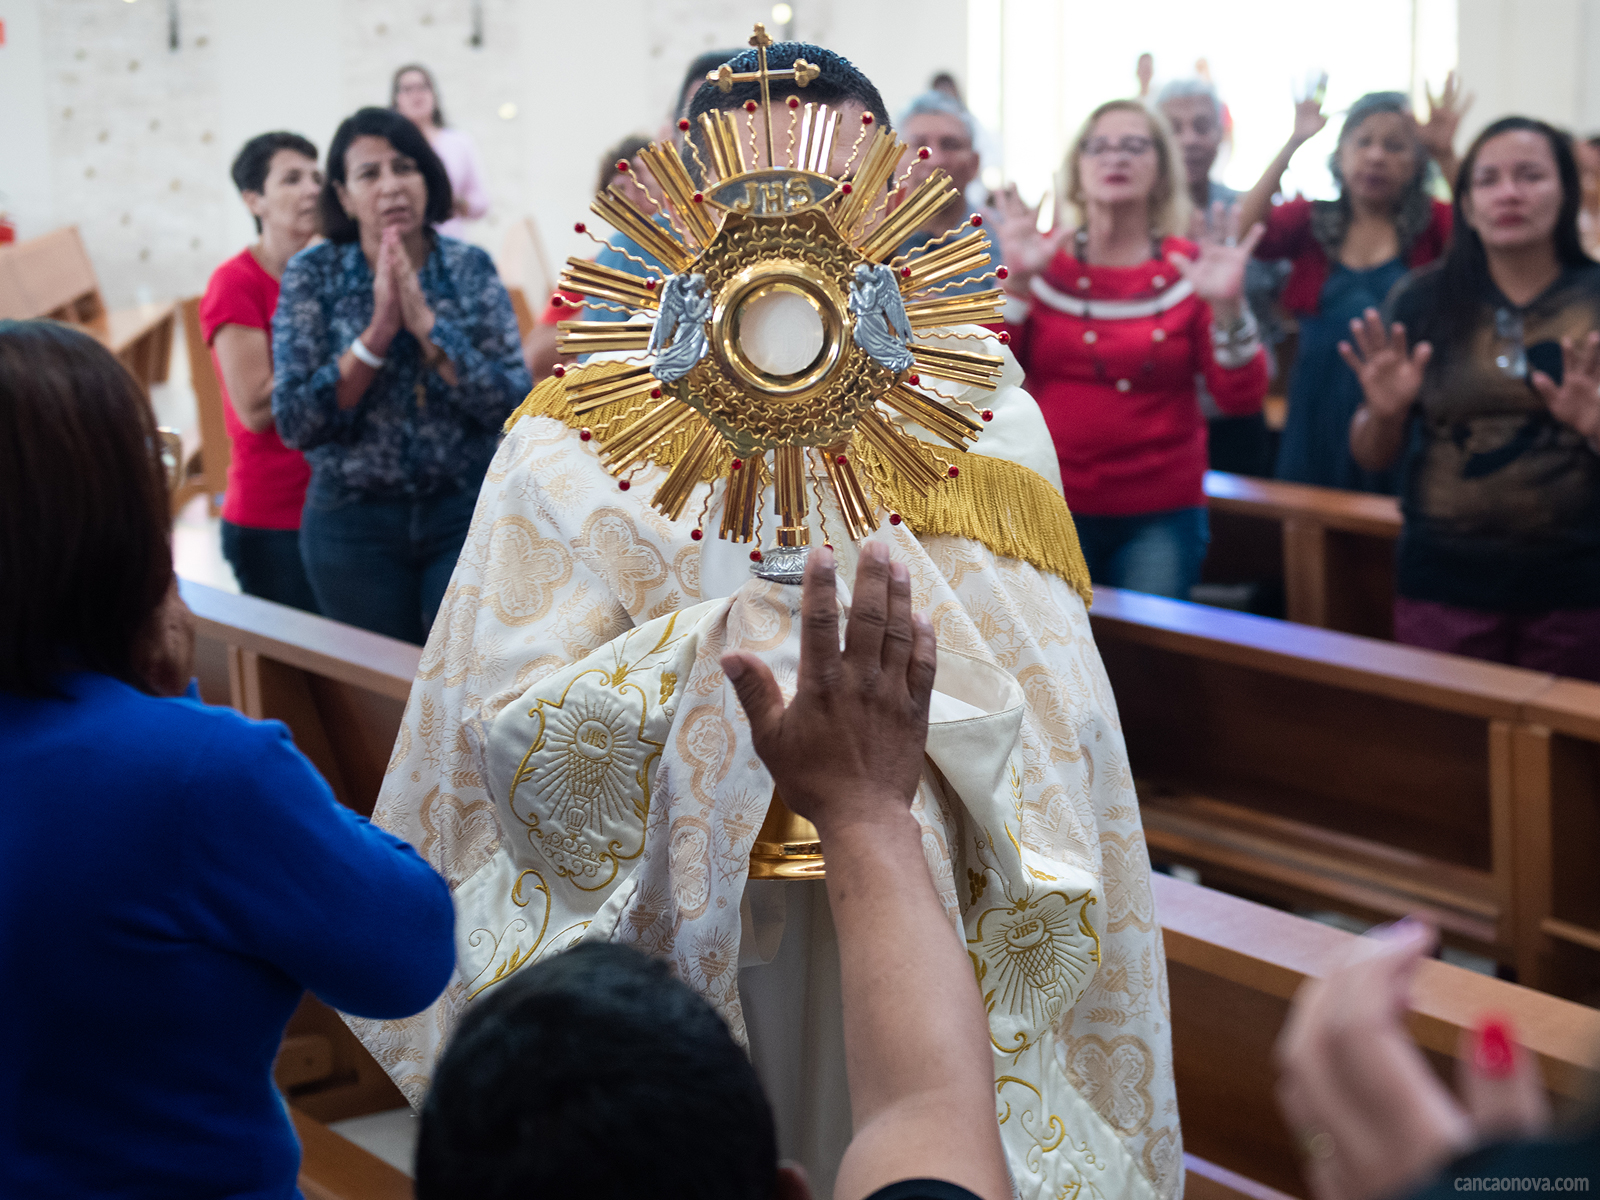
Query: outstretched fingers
[897, 630]
[759, 695]
[869, 609]
[1368, 334]
[819, 624]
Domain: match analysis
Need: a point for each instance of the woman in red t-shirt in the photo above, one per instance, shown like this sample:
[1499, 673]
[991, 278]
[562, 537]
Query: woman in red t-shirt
[278, 177]
[1120, 320]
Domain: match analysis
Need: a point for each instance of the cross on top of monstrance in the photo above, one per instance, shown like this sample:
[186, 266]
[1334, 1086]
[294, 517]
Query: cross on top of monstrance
[725, 77]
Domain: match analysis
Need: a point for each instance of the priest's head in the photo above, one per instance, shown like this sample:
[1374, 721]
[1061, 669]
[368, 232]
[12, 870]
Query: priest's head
[596, 1073]
[838, 84]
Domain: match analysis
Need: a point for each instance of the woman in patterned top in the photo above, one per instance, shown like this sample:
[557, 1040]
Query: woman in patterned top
[397, 360]
[1493, 413]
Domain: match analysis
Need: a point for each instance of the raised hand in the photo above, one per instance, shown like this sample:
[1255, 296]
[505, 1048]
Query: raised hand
[1390, 376]
[1372, 1117]
[1438, 132]
[1217, 273]
[1576, 400]
[1309, 119]
[848, 748]
[1023, 248]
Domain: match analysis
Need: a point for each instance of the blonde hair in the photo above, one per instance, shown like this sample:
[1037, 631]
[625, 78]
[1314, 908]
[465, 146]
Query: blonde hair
[1169, 198]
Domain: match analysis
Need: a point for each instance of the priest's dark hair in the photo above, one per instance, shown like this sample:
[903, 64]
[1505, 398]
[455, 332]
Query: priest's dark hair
[839, 82]
[253, 163]
[339, 226]
[595, 1073]
[695, 77]
[85, 551]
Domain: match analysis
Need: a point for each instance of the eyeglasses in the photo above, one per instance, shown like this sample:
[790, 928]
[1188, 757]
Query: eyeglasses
[1131, 146]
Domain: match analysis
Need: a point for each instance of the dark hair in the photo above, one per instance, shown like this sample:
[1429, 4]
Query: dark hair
[394, 90]
[85, 555]
[838, 83]
[595, 1073]
[1464, 271]
[702, 66]
[337, 225]
[626, 148]
[253, 163]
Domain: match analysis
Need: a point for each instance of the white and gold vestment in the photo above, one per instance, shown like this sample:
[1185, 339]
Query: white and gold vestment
[574, 761]
[579, 613]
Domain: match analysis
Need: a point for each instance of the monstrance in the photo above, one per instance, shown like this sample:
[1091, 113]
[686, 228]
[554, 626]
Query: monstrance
[783, 339]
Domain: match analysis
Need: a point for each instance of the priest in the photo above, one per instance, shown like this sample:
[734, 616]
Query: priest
[574, 761]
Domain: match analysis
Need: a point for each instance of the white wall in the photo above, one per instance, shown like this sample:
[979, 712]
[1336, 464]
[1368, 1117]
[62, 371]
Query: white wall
[1538, 58]
[104, 126]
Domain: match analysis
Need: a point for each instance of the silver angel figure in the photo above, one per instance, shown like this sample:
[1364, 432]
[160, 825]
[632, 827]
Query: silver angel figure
[679, 337]
[882, 328]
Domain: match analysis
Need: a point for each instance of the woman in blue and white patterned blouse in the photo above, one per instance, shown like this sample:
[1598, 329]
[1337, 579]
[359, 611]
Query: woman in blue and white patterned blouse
[397, 359]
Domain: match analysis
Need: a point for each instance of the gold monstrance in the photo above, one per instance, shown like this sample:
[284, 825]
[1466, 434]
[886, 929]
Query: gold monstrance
[711, 391]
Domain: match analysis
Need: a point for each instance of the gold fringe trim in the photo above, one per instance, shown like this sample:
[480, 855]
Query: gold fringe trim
[1010, 509]
[1013, 511]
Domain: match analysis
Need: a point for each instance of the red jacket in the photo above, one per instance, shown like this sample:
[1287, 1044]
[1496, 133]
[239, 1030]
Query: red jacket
[1289, 236]
[1111, 355]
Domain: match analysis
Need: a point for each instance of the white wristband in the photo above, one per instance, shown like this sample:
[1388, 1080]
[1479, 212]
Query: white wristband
[359, 349]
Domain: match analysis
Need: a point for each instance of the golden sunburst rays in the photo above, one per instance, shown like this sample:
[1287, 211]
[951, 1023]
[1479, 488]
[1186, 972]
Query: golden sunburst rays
[745, 231]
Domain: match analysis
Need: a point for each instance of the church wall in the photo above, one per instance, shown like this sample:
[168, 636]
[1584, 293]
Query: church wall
[106, 127]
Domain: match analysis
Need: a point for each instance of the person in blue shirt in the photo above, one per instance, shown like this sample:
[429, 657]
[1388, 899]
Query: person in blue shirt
[173, 877]
[396, 360]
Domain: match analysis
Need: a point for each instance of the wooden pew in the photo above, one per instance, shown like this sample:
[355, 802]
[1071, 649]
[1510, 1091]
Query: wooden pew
[206, 469]
[1331, 551]
[335, 1168]
[1557, 759]
[1319, 768]
[1233, 966]
[50, 276]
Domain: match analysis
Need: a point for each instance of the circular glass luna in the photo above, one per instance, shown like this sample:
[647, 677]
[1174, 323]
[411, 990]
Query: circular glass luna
[779, 330]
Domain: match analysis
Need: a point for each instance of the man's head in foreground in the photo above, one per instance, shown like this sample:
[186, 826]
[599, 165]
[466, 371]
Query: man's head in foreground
[597, 1074]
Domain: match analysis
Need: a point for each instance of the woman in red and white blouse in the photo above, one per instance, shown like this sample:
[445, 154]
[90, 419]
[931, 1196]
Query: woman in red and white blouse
[1114, 322]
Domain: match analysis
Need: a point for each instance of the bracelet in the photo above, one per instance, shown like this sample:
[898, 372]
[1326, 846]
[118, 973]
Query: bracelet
[1238, 344]
[359, 349]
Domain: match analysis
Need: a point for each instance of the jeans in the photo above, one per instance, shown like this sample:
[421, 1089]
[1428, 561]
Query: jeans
[383, 564]
[267, 563]
[1160, 553]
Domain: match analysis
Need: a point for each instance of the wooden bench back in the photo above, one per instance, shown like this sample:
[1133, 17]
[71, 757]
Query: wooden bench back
[1330, 551]
[209, 476]
[1325, 769]
[1232, 968]
[50, 276]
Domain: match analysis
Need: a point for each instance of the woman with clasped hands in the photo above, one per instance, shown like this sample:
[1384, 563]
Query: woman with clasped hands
[1493, 412]
[397, 361]
[1113, 322]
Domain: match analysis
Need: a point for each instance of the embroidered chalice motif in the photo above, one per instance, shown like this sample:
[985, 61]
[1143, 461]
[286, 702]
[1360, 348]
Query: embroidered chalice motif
[1042, 951]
